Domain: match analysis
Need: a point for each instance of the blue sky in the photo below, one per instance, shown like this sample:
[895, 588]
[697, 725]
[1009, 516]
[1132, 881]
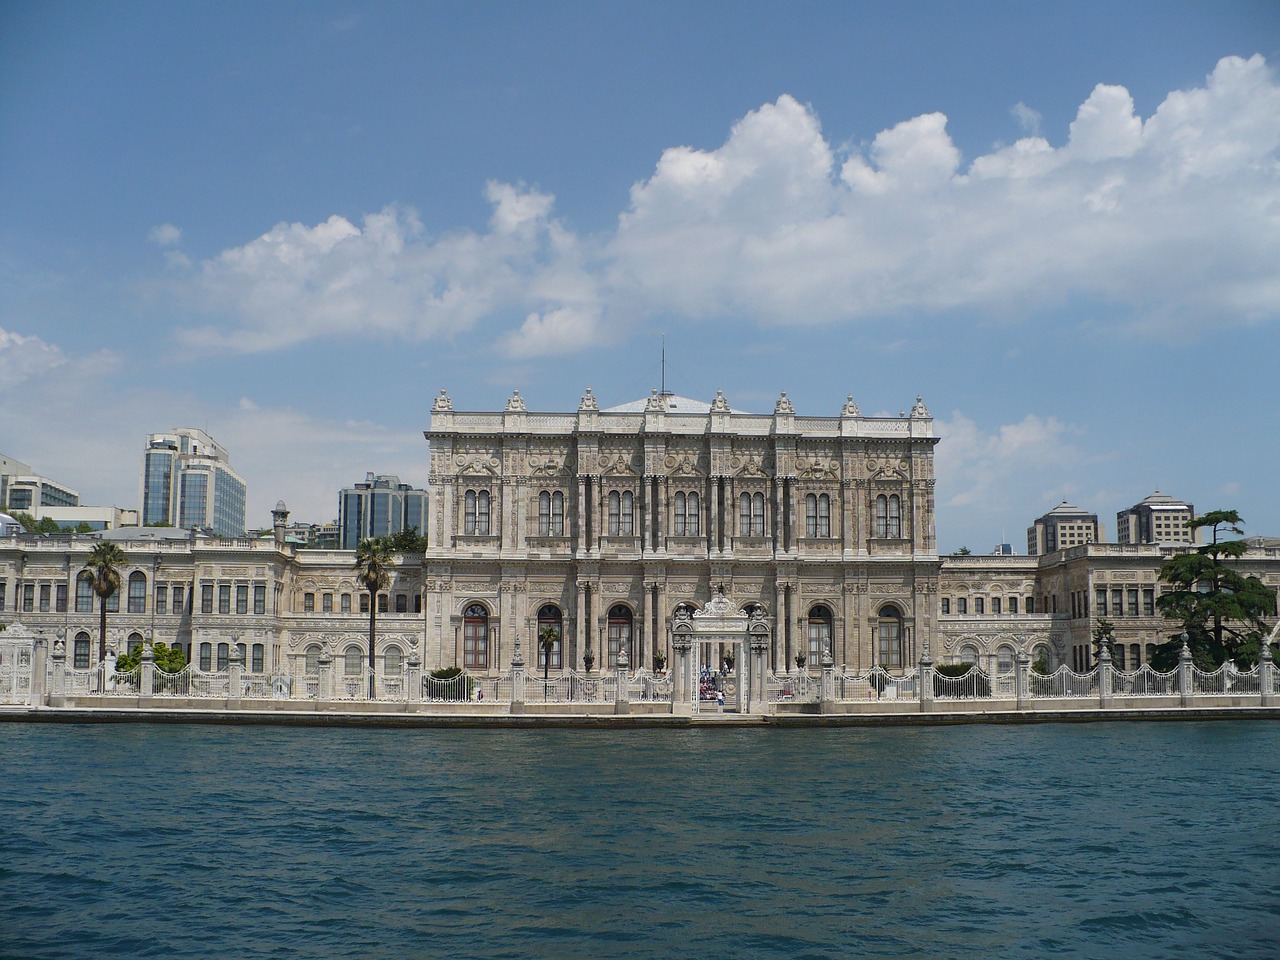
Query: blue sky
[291, 224]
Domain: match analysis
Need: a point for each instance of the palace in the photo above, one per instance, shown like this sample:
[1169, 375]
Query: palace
[611, 527]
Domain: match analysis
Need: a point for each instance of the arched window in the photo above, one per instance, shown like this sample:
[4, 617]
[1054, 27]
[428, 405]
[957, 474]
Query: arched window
[475, 519]
[133, 644]
[84, 593]
[882, 516]
[679, 517]
[392, 662]
[751, 515]
[475, 637]
[889, 631]
[824, 516]
[551, 514]
[620, 634]
[968, 654]
[1004, 659]
[244, 655]
[482, 513]
[311, 665]
[224, 656]
[544, 513]
[557, 514]
[80, 656]
[352, 662]
[550, 619]
[819, 633]
[687, 518]
[628, 513]
[137, 592]
[615, 512]
[469, 513]
[622, 507]
[1149, 651]
[206, 657]
[895, 517]
[811, 516]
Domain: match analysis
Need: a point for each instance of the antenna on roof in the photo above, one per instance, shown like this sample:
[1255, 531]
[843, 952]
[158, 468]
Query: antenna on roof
[663, 390]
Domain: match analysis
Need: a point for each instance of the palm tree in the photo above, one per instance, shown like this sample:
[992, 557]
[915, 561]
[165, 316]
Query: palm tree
[373, 570]
[548, 637]
[105, 560]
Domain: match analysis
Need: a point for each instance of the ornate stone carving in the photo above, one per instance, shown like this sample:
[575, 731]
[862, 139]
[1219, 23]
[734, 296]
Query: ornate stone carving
[442, 402]
[850, 408]
[477, 465]
[919, 411]
[888, 468]
[783, 405]
[720, 404]
[515, 403]
[817, 468]
[588, 402]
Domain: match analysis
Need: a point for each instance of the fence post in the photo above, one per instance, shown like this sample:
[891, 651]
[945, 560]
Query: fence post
[413, 677]
[681, 691]
[1184, 670]
[621, 696]
[235, 676]
[759, 687]
[146, 675]
[324, 677]
[1266, 672]
[59, 687]
[1022, 678]
[926, 679]
[827, 693]
[1104, 676]
[39, 666]
[517, 679]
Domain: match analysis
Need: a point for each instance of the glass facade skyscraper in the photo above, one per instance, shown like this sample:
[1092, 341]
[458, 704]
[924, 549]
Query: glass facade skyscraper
[379, 507]
[187, 481]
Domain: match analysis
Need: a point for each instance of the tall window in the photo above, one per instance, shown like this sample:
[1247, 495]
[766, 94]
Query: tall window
[224, 656]
[475, 638]
[84, 593]
[80, 658]
[551, 514]
[1013, 604]
[550, 618]
[134, 643]
[345, 603]
[137, 602]
[890, 635]
[621, 513]
[687, 518]
[392, 662]
[620, 634]
[819, 633]
[162, 598]
[311, 665]
[995, 605]
[817, 515]
[224, 598]
[352, 662]
[751, 515]
[476, 513]
[326, 603]
[259, 658]
[177, 595]
[259, 598]
[242, 598]
[889, 516]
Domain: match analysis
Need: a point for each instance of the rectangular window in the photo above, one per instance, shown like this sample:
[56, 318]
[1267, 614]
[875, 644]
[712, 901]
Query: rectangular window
[259, 659]
[162, 598]
[417, 603]
[224, 598]
[178, 606]
[137, 594]
[995, 604]
[242, 598]
[962, 606]
[1117, 602]
[259, 598]
[206, 600]
[1100, 600]
[1133, 601]
[402, 603]
[1013, 604]
[346, 603]
[1148, 602]
[3, 588]
[308, 603]
[326, 603]
[946, 605]
[382, 603]
[978, 604]
[28, 597]
[1031, 604]
[364, 603]
[46, 597]
[206, 655]
[60, 598]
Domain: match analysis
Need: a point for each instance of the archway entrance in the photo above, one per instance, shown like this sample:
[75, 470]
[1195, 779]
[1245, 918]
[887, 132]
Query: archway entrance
[725, 643]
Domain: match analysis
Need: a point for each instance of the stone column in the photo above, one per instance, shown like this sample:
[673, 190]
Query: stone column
[235, 675]
[58, 690]
[926, 680]
[1022, 678]
[517, 679]
[324, 673]
[1266, 672]
[682, 678]
[827, 694]
[1104, 677]
[39, 667]
[759, 689]
[1184, 671]
[147, 674]
[621, 696]
[648, 631]
[413, 677]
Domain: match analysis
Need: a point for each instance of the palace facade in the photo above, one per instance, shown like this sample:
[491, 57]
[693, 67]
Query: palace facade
[609, 526]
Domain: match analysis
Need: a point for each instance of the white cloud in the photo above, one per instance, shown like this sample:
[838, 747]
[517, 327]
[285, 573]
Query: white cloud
[1027, 118]
[24, 358]
[1172, 218]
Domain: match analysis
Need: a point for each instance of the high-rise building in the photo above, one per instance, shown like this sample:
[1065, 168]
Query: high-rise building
[1066, 525]
[379, 507]
[23, 490]
[1158, 519]
[187, 482]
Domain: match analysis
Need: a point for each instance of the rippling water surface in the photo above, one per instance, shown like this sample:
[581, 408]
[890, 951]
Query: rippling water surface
[1098, 840]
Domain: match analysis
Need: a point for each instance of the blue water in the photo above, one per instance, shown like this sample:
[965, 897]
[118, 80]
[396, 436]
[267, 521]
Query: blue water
[1091, 840]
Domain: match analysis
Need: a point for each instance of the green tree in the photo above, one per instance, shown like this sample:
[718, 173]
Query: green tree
[167, 658]
[105, 560]
[1221, 611]
[373, 571]
[28, 522]
[407, 541]
[158, 523]
[963, 552]
[43, 525]
[1104, 635]
[548, 637]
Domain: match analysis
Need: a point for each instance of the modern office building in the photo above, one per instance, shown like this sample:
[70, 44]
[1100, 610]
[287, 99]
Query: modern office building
[1066, 525]
[22, 490]
[379, 507]
[187, 482]
[1159, 518]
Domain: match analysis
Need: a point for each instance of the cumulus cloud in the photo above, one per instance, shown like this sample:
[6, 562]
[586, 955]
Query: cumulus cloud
[23, 358]
[990, 470]
[1173, 219]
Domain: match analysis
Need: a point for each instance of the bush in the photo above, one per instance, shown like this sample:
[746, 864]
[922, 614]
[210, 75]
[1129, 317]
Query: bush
[980, 685]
